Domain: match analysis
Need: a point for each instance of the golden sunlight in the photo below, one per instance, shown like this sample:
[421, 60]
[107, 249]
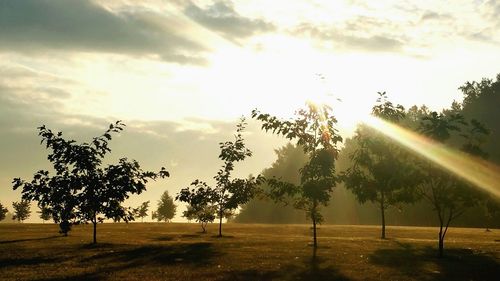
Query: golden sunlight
[479, 172]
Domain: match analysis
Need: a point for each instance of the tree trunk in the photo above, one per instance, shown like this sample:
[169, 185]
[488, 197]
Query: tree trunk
[95, 228]
[314, 233]
[382, 210]
[220, 222]
[313, 218]
[441, 240]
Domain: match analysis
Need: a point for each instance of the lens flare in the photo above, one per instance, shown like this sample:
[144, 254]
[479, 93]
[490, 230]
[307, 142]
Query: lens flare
[477, 171]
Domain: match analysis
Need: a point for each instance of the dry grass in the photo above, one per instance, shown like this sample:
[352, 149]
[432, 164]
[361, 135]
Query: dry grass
[157, 251]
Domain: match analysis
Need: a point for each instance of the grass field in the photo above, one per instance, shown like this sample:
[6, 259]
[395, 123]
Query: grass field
[160, 251]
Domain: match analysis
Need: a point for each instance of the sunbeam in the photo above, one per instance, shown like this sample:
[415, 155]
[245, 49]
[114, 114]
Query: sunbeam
[477, 171]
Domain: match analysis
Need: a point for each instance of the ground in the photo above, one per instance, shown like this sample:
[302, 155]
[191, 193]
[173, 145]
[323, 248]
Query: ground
[175, 251]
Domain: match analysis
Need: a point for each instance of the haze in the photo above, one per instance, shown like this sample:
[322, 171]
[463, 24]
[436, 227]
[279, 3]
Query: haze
[180, 73]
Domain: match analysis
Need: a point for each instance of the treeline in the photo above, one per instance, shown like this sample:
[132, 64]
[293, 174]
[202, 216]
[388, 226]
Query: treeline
[317, 178]
[481, 102]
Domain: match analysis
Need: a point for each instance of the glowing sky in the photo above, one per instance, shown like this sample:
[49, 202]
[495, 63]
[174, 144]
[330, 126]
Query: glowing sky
[180, 73]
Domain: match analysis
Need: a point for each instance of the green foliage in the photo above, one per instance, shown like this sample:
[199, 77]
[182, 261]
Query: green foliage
[166, 208]
[290, 159]
[228, 193]
[203, 214]
[21, 210]
[142, 211]
[449, 195]
[314, 130]
[81, 189]
[380, 170]
[45, 213]
[3, 211]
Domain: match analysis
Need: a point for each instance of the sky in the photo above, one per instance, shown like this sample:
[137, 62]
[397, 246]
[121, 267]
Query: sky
[180, 73]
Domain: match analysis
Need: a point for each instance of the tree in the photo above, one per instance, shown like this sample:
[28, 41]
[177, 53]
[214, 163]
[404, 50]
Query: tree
[314, 130]
[166, 208]
[21, 210]
[3, 211]
[142, 211]
[45, 214]
[449, 195]
[202, 214]
[228, 194]
[378, 172]
[81, 189]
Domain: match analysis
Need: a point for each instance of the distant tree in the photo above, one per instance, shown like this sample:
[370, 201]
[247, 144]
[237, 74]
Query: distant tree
[290, 159]
[481, 100]
[228, 194]
[201, 214]
[21, 210]
[142, 211]
[3, 211]
[449, 195]
[45, 214]
[154, 215]
[378, 172]
[166, 208]
[314, 130]
[82, 190]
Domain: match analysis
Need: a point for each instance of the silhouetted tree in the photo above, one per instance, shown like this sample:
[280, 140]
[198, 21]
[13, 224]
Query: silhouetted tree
[45, 214]
[228, 194]
[201, 214]
[142, 211]
[3, 211]
[166, 208]
[21, 210]
[449, 195]
[378, 172]
[81, 189]
[314, 130]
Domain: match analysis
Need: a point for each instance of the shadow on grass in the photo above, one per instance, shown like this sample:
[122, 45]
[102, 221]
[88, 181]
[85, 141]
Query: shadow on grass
[177, 237]
[309, 270]
[164, 238]
[29, 239]
[82, 277]
[192, 253]
[423, 263]
[13, 262]
[122, 257]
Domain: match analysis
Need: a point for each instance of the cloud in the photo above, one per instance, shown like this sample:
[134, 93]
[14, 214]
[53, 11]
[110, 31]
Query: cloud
[38, 26]
[430, 15]
[349, 38]
[222, 18]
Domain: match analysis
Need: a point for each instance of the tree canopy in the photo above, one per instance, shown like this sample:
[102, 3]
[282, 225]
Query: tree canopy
[22, 210]
[166, 208]
[449, 195]
[3, 212]
[380, 169]
[142, 210]
[314, 129]
[81, 189]
[229, 193]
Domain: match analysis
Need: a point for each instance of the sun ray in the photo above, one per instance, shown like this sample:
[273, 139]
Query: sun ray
[477, 171]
